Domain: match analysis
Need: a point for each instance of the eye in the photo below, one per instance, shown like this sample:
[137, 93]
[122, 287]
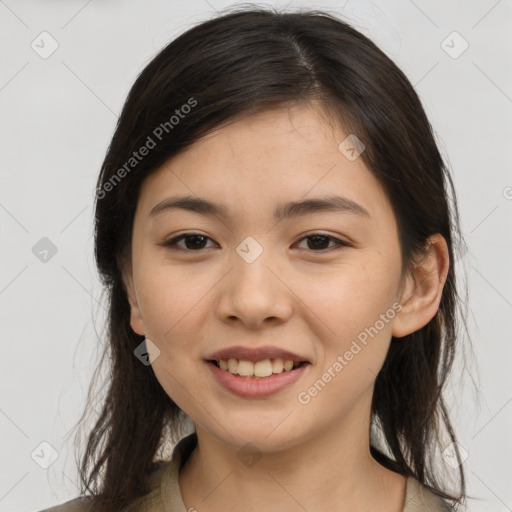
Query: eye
[195, 242]
[319, 240]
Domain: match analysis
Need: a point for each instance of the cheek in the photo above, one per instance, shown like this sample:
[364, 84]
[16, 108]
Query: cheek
[168, 302]
[357, 308]
[170, 306]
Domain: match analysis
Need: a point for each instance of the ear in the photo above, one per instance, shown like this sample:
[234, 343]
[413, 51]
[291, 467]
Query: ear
[135, 312]
[423, 289]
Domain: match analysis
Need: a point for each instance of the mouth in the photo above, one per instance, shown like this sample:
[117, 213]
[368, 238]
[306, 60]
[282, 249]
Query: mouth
[257, 369]
[259, 379]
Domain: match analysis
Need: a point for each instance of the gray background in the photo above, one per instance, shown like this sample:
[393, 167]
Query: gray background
[58, 115]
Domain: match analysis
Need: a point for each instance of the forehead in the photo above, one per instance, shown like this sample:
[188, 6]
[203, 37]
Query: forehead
[289, 133]
[263, 160]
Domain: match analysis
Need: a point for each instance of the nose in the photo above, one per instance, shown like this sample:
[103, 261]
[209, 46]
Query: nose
[254, 293]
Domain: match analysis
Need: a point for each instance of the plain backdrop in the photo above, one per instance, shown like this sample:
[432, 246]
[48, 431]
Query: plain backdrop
[66, 68]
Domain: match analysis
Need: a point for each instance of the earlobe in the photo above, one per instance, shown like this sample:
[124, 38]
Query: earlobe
[136, 322]
[423, 289]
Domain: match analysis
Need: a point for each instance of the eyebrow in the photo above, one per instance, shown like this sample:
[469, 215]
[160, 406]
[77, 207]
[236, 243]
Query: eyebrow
[283, 211]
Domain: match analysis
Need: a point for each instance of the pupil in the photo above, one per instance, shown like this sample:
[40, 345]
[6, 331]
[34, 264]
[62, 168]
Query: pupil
[321, 245]
[195, 245]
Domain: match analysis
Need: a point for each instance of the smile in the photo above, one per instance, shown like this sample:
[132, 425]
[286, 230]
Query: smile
[250, 379]
[259, 369]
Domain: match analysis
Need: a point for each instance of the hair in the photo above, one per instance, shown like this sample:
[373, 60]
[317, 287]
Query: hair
[236, 64]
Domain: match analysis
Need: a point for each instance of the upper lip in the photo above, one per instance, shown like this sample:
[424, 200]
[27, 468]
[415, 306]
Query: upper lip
[255, 354]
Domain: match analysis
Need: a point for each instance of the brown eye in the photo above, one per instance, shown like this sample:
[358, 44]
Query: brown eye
[193, 242]
[318, 242]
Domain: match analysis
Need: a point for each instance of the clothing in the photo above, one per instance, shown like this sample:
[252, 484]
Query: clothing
[165, 495]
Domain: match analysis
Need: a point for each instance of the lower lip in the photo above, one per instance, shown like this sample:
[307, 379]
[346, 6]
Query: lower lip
[249, 387]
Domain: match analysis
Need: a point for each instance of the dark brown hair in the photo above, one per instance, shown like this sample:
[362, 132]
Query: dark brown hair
[236, 64]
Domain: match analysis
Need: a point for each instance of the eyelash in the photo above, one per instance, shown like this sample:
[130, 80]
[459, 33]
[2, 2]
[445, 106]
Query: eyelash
[172, 243]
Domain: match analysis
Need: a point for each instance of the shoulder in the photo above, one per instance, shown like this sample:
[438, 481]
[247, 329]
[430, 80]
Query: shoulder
[84, 503]
[81, 504]
[418, 498]
[162, 480]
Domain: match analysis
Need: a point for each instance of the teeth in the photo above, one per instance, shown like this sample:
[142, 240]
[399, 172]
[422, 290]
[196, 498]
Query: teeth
[263, 368]
[288, 365]
[277, 365]
[232, 365]
[260, 369]
[245, 368]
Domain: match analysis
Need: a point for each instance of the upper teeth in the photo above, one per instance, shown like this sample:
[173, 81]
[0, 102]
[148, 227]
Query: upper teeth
[263, 368]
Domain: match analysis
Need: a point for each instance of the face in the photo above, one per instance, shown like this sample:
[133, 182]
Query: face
[320, 283]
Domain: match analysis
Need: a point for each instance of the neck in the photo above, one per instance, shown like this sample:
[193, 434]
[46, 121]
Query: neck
[332, 470]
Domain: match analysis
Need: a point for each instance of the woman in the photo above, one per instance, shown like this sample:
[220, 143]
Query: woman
[274, 232]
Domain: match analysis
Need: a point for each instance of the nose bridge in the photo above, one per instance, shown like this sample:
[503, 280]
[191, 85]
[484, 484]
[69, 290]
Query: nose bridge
[251, 259]
[253, 291]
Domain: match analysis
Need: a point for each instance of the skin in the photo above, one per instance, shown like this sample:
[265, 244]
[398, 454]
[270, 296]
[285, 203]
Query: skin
[310, 301]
